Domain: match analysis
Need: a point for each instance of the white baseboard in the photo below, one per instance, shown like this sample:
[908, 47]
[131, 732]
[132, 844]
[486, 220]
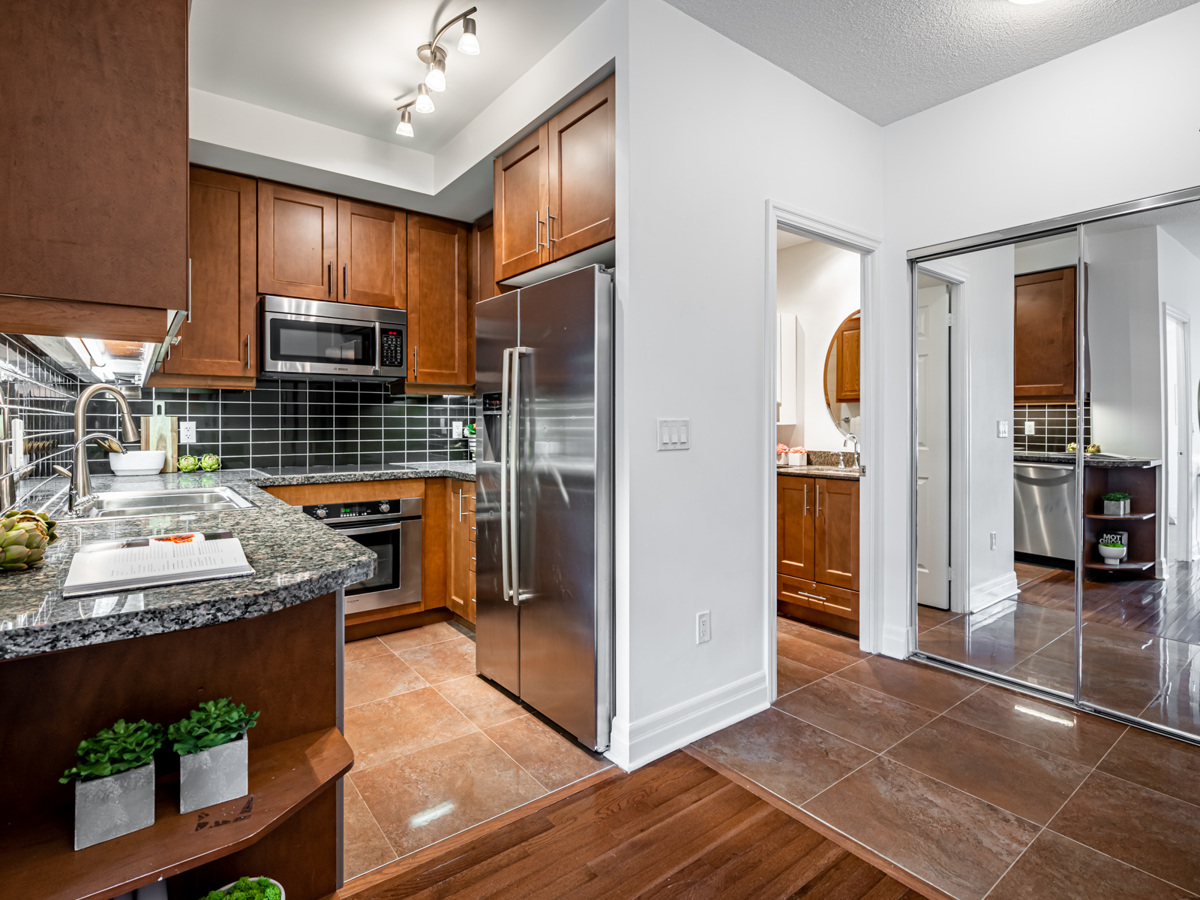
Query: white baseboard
[1000, 588]
[896, 642]
[634, 744]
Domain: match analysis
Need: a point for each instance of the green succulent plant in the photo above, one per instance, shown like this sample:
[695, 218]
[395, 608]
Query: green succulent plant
[1115, 545]
[213, 723]
[245, 889]
[1116, 496]
[24, 537]
[114, 750]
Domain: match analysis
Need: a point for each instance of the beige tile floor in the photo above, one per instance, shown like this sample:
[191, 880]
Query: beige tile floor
[437, 749]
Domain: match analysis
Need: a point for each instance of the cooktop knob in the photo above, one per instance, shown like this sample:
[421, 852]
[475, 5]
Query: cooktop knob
[385, 507]
[321, 512]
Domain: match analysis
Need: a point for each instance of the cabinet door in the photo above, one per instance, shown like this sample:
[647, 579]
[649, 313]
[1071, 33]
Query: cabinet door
[221, 340]
[372, 261]
[461, 549]
[1044, 337]
[582, 157]
[794, 526]
[438, 311]
[297, 242]
[836, 545]
[848, 363]
[520, 202]
[93, 154]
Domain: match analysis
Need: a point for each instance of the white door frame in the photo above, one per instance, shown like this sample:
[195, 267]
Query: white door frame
[870, 497]
[960, 433]
[1184, 321]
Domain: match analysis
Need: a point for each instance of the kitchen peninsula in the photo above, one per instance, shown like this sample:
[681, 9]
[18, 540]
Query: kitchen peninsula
[272, 640]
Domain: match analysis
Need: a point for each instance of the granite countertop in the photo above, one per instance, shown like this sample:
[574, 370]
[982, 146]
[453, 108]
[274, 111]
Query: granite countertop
[295, 558]
[278, 477]
[1095, 460]
[820, 472]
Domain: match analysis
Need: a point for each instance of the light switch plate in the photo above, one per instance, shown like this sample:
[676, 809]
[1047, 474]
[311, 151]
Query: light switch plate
[1002, 428]
[674, 434]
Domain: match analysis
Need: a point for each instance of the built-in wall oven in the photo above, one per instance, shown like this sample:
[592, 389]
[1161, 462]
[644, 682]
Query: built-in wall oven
[325, 339]
[392, 529]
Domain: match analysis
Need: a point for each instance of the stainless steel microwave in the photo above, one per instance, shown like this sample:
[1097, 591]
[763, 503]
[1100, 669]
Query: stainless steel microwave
[325, 339]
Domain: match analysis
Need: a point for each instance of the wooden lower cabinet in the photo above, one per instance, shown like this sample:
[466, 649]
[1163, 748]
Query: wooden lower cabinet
[817, 526]
[460, 592]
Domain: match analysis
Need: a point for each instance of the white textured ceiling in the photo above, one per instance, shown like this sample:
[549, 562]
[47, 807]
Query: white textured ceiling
[341, 62]
[888, 59]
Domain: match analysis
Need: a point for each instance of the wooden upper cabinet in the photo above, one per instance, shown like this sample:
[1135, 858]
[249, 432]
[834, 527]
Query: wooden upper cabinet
[372, 259]
[521, 199]
[795, 526]
[438, 308]
[582, 181]
[93, 153]
[297, 242]
[221, 340]
[836, 540]
[849, 361]
[1044, 337]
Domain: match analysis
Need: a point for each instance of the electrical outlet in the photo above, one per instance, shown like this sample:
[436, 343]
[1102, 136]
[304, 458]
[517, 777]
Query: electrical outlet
[1002, 428]
[703, 627]
[456, 429]
[1030, 426]
[187, 432]
[992, 540]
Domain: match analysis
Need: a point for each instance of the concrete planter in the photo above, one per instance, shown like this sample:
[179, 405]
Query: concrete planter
[214, 776]
[106, 808]
[1116, 507]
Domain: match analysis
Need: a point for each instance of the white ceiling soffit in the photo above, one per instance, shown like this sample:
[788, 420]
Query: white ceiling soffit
[342, 63]
[889, 59]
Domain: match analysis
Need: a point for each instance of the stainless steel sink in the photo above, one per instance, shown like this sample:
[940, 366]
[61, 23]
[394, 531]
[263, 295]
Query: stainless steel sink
[138, 504]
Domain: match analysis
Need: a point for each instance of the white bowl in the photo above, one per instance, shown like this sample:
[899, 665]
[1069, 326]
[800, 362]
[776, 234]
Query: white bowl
[137, 462]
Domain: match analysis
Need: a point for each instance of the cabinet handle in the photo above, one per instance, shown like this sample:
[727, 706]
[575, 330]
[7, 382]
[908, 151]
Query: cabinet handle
[818, 501]
[345, 288]
[460, 504]
[414, 375]
[549, 231]
[189, 297]
[329, 273]
[537, 231]
[806, 500]
[247, 352]
[809, 596]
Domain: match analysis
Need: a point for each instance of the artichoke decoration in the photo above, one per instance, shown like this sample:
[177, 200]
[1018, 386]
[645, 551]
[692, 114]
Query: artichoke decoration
[24, 537]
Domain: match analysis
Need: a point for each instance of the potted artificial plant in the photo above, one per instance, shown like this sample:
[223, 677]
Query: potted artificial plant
[248, 889]
[1116, 503]
[114, 781]
[214, 755]
[1113, 551]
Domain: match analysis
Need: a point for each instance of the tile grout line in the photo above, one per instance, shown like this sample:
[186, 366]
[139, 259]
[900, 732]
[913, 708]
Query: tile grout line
[382, 833]
[514, 761]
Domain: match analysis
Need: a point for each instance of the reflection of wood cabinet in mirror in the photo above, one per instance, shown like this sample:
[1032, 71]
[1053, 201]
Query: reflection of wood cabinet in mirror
[1044, 337]
[843, 373]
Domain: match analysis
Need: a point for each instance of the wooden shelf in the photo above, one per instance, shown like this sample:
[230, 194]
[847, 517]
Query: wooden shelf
[1140, 517]
[284, 777]
[1122, 567]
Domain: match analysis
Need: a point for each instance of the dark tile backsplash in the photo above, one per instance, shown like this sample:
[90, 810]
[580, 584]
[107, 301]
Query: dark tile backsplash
[304, 424]
[1054, 427]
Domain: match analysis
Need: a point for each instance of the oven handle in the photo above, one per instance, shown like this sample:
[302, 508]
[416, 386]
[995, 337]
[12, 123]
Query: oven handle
[375, 529]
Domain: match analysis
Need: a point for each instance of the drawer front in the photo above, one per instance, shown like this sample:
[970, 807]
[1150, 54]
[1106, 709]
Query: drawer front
[821, 597]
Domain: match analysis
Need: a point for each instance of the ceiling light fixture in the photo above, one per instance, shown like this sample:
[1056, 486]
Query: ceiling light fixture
[435, 80]
[423, 103]
[469, 44]
[405, 128]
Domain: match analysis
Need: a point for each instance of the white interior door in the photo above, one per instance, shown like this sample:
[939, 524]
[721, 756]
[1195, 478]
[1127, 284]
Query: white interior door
[933, 444]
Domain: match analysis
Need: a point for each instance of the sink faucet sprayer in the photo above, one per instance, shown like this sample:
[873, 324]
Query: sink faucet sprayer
[851, 436]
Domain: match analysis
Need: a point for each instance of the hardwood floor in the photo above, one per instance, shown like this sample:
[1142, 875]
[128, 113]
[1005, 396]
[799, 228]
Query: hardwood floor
[673, 829]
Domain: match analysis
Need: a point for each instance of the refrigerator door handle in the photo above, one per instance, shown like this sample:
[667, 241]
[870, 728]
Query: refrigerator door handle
[505, 537]
[514, 508]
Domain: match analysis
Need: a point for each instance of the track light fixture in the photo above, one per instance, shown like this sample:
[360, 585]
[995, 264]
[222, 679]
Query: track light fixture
[434, 56]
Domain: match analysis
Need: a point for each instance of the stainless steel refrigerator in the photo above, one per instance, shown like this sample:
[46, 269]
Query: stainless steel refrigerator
[544, 498]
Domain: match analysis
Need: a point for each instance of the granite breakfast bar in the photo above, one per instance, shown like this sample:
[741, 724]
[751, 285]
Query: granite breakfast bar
[272, 640]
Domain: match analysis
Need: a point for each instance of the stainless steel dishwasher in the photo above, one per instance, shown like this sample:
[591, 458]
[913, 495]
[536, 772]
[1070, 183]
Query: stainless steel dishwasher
[1044, 521]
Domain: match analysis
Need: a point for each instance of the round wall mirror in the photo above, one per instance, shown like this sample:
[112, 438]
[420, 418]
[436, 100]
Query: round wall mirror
[842, 374]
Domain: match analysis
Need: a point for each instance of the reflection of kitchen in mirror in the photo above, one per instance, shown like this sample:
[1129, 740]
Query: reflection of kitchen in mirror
[818, 291]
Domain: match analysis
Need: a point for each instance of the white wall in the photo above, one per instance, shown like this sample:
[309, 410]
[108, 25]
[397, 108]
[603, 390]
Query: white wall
[1047, 253]
[1125, 339]
[820, 285]
[1109, 123]
[703, 154]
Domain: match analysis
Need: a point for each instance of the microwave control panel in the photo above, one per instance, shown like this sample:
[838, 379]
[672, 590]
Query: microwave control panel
[391, 349]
